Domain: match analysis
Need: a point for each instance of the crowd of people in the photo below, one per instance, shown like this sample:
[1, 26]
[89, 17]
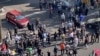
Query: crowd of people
[71, 33]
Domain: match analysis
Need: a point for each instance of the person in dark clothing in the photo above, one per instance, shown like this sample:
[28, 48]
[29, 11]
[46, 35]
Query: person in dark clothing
[55, 36]
[29, 26]
[59, 32]
[74, 52]
[39, 51]
[33, 28]
[64, 29]
[37, 22]
[92, 38]
[48, 39]
[50, 12]
[36, 43]
[97, 37]
[86, 40]
[40, 35]
[48, 53]
[24, 45]
[55, 50]
[40, 4]
[29, 43]
[20, 50]
[86, 11]
[45, 4]
[15, 30]
[92, 3]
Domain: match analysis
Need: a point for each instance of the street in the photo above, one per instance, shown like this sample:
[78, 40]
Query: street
[30, 9]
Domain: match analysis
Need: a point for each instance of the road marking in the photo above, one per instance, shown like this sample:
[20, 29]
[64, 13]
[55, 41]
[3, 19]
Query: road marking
[5, 1]
[93, 13]
[35, 13]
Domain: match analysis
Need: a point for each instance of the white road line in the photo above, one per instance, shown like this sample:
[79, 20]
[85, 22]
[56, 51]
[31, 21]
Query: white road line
[35, 13]
[5, 1]
[93, 13]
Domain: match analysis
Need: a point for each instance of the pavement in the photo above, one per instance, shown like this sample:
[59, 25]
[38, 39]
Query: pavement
[29, 8]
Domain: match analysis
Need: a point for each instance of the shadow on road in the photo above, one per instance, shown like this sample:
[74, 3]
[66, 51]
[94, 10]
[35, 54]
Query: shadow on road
[6, 24]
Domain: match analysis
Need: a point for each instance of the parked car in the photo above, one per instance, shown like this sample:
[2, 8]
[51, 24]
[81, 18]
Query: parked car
[95, 52]
[16, 18]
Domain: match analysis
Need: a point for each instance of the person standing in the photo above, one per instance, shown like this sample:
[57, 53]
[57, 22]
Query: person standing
[92, 2]
[50, 12]
[67, 47]
[97, 36]
[55, 36]
[63, 17]
[75, 42]
[49, 38]
[45, 4]
[48, 53]
[86, 40]
[33, 28]
[55, 50]
[30, 51]
[74, 52]
[29, 27]
[39, 51]
[92, 38]
[40, 4]
[15, 30]
[62, 48]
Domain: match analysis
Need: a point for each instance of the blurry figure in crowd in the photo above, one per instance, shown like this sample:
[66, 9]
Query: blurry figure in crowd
[48, 53]
[55, 50]
[63, 17]
[15, 30]
[62, 48]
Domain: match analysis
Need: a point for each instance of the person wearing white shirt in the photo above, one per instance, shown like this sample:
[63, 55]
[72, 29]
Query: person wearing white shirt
[71, 36]
[76, 40]
[62, 17]
[69, 24]
[17, 38]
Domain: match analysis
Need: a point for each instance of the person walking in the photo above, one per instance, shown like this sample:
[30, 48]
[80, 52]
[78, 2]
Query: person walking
[75, 42]
[15, 30]
[33, 28]
[39, 51]
[29, 26]
[55, 36]
[62, 47]
[48, 53]
[10, 33]
[49, 38]
[86, 40]
[55, 50]
[63, 37]
[62, 17]
[74, 52]
[40, 4]
[97, 36]
[92, 38]
[67, 48]
[50, 12]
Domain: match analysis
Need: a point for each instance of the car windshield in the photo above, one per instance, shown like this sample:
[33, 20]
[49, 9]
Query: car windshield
[19, 17]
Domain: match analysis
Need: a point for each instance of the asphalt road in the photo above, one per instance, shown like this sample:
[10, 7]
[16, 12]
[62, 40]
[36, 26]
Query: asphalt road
[29, 8]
